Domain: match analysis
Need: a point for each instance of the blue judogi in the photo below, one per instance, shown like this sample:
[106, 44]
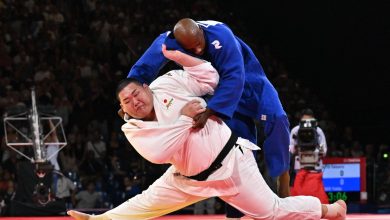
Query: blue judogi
[244, 92]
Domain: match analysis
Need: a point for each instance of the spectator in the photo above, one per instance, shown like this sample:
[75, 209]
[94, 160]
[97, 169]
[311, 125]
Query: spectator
[67, 156]
[356, 150]
[53, 147]
[64, 189]
[97, 146]
[88, 198]
[6, 197]
[132, 187]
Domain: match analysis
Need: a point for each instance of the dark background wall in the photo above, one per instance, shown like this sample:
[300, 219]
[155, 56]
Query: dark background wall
[338, 48]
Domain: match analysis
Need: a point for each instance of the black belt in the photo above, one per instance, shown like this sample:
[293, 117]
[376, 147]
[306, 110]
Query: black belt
[218, 161]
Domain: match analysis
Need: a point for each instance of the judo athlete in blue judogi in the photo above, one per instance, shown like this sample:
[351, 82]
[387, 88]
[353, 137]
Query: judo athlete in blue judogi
[244, 93]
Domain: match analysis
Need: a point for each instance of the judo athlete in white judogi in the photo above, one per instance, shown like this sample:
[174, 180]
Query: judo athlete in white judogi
[160, 129]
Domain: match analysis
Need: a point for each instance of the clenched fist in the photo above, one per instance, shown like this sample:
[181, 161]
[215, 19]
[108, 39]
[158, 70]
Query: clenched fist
[201, 119]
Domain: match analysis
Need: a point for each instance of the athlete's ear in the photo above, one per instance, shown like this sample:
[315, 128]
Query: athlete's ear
[121, 113]
[124, 115]
[145, 86]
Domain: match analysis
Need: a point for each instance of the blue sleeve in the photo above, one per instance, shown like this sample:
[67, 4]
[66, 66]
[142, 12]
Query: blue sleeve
[229, 62]
[148, 66]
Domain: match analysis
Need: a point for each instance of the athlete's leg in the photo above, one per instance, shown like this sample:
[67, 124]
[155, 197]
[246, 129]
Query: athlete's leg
[276, 152]
[242, 126]
[159, 199]
[260, 202]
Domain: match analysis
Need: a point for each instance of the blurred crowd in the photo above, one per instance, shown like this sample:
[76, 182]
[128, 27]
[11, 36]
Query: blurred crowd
[73, 52]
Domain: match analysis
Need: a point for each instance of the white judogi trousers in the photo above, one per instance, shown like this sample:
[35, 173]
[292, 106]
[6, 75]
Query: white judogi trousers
[254, 197]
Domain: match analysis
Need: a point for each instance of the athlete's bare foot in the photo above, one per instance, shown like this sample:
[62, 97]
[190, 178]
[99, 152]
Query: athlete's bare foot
[336, 211]
[342, 212]
[78, 215]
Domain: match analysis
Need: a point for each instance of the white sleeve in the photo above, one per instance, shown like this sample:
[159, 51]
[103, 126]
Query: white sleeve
[157, 143]
[193, 81]
[203, 79]
[322, 139]
[293, 139]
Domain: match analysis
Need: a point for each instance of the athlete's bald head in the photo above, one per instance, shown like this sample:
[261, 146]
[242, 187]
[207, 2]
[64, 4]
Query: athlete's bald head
[184, 28]
[189, 35]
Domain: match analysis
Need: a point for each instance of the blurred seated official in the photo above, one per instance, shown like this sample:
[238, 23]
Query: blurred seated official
[308, 147]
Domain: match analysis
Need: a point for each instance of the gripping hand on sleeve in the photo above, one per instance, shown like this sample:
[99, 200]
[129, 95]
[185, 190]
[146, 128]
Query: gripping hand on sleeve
[201, 118]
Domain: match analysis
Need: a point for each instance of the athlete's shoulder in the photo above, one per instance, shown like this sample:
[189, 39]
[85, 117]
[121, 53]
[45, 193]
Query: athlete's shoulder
[171, 77]
[163, 35]
[216, 30]
[208, 23]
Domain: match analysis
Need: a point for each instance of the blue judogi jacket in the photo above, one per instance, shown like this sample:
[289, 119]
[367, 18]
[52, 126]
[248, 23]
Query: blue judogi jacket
[243, 85]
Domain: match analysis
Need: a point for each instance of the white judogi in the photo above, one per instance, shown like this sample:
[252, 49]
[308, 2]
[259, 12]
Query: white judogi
[172, 140]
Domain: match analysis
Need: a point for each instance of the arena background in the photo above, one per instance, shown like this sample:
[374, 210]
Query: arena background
[336, 48]
[330, 56]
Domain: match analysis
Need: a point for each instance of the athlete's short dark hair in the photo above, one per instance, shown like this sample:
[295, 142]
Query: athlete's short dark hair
[123, 83]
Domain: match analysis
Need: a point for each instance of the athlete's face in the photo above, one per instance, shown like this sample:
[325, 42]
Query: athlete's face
[194, 43]
[137, 101]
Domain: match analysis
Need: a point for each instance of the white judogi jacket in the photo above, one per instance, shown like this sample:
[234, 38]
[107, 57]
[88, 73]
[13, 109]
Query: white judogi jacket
[171, 139]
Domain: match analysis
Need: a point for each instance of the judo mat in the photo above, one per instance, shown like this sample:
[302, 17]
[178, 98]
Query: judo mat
[204, 217]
